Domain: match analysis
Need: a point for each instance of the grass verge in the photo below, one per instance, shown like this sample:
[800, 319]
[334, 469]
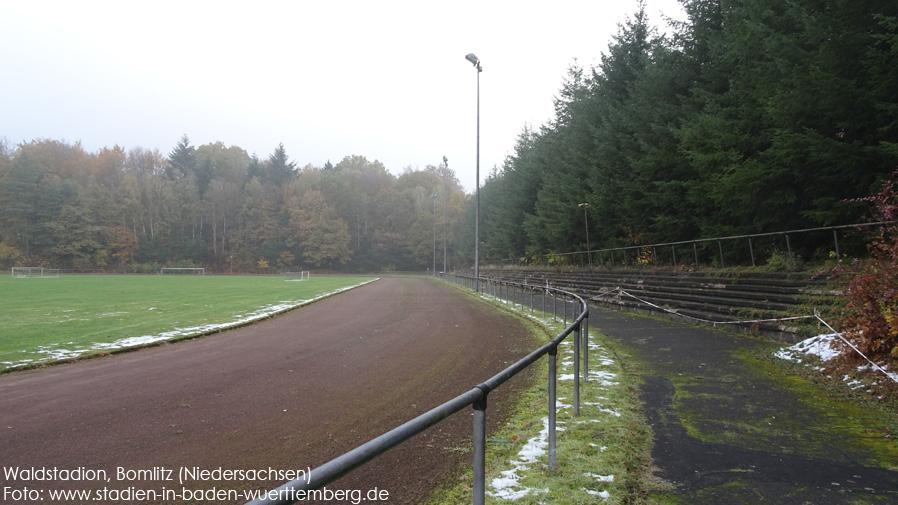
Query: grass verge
[603, 454]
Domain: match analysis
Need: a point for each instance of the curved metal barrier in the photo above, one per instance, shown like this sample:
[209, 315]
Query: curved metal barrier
[476, 397]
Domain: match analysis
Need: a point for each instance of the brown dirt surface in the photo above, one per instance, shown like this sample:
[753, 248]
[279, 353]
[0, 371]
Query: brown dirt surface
[290, 392]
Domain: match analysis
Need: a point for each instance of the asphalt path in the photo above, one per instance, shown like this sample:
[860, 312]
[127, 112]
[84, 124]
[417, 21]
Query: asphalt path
[290, 392]
[727, 432]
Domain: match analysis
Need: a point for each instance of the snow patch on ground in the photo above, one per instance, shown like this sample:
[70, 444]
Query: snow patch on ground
[600, 478]
[508, 487]
[825, 348]
[822, 346]
[57, 352]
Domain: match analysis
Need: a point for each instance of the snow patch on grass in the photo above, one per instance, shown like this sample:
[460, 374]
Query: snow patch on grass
[823, 347]
[508, 487]
[58, 352]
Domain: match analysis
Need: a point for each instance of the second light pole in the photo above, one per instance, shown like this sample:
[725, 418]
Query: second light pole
[433, 250]
[585, 206]
[476, 62]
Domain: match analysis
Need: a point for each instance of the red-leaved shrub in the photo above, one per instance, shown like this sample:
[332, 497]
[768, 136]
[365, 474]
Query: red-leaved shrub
[870, 318]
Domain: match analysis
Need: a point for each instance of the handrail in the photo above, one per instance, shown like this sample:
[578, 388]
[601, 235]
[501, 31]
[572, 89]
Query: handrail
[786, 234]
[316, 478]
[733, 237]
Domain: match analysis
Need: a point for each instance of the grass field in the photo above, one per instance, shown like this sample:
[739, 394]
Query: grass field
[43, 320]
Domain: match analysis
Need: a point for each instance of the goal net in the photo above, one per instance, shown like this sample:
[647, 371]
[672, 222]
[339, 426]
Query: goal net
[182, 271]
[34, 272]
[297, 276]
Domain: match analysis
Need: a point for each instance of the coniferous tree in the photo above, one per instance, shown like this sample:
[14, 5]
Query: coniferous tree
[279, 170]
[182, 160]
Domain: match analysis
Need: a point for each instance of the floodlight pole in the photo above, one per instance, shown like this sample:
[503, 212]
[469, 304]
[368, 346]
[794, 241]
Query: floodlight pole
[476, 62]
[445, 192]
[433, 249]
[585, 206]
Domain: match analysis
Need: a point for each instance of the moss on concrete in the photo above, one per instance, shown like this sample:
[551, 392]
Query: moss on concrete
[817, 424]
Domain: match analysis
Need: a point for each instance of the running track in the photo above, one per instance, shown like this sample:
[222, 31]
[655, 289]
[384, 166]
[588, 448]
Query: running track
[288, 393]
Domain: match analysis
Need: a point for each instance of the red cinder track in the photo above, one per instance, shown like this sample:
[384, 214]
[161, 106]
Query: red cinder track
[287, 393]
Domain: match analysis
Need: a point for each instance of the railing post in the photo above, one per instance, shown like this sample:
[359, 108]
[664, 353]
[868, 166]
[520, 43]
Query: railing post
[553, 354]
[577, 370]
[554, 308]
[586, 345]
[751, 251]
[564, 310]
[836, 240]
[720, 248]
[480, 451]
[789, 248]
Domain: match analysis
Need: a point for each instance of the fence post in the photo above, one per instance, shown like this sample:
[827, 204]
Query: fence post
[480, 450]
[695, 252]
[554, 308]
[553, 353]
[789, 248]
[720, 248]
[577, 370]
[836, 240]
[751, 251]
[564, 310]
[586, 346]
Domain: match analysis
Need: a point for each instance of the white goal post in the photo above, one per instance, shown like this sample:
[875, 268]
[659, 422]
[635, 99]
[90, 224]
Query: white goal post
[34, 273]
[297, 276]
[182, 271]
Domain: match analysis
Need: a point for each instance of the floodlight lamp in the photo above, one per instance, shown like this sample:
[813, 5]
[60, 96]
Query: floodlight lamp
[473, 59]
[446, 161]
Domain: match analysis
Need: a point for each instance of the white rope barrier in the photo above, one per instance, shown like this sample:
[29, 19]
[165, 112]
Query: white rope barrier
[715, 323]
[816, 315]
[849, 344]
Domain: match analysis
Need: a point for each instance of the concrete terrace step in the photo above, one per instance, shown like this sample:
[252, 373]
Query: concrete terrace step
[708, 297]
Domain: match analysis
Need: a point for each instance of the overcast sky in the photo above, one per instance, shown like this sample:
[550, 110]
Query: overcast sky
[386, 79]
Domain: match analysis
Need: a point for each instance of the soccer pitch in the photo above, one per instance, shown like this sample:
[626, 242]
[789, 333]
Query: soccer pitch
[43, 320]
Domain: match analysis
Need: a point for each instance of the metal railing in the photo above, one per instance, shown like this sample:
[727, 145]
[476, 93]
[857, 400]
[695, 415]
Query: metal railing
[651, 254]
[476, 397]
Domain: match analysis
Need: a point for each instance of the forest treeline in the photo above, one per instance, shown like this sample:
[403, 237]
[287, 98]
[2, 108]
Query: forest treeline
[752, 116]
[220, 208]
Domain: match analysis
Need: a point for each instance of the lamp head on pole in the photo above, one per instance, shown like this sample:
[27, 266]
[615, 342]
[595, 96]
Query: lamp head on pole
[474, 60]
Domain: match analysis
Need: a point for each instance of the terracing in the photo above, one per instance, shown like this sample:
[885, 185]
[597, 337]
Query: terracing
[738, 300]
